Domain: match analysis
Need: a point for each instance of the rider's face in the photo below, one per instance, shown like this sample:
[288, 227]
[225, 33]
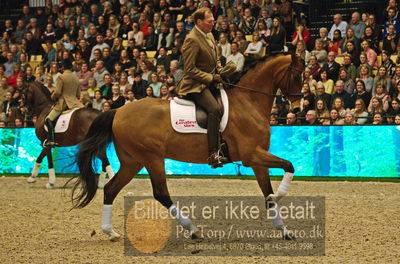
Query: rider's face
[207, 23]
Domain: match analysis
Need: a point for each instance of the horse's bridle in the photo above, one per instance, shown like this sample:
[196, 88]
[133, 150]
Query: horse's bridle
[289, 71]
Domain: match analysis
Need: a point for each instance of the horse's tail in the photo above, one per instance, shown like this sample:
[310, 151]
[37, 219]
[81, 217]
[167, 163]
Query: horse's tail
[94, 145]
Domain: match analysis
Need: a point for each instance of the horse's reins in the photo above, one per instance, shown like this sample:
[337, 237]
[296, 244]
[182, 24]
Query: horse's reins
[289, 69]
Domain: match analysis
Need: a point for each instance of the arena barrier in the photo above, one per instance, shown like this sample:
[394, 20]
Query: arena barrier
[341, 151]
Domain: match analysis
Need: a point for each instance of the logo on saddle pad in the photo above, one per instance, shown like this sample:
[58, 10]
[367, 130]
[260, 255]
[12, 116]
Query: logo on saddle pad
[63, 121]
[183, 115]
[186, 123]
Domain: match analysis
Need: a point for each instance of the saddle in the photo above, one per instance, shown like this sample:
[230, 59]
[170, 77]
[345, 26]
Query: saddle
[186, 117]
[63, 121]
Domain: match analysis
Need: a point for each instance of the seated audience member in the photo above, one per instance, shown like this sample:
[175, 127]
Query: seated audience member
[397, 120]
[335, 43]
[391, 40]
[117, 100]
[311, 118]
[328, 83]
[236, 57]
[321, 111]
[357, 25]
[98, 100]
[366, 78]
[371, 54]
[149, 92]
[100, 72]
[320, 53]
[106, 88]
[254, 49]
[106, 106]
[361, 93]
[349, 66]
[322, 95]
[349, 119]
[338, 24]
[331, 67]
[175, 71]
[360, 113]
[377, 119]
[314, 67]
[383, 78]
[348, 83]
[338, 104]
[334, 118]
[139, 86]
[291, 119]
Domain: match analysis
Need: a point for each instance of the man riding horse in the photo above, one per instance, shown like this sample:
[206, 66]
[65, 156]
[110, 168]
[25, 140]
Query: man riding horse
[66, 95]
[202, 72]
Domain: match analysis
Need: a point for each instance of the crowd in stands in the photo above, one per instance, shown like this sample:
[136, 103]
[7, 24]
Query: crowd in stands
[126, 50]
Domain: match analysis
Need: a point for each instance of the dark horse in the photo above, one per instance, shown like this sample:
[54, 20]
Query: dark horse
[37, 99]
[143, 137]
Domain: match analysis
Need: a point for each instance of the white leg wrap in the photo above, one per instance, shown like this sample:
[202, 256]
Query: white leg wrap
[182, 219]
[52, 176]
[35, 170]
[285, 184]
[110, 172]
[102, 180]
[106, 220]
[276, 217]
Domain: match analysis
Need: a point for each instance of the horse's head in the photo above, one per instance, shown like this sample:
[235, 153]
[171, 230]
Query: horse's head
[290, 83]
[35, 95]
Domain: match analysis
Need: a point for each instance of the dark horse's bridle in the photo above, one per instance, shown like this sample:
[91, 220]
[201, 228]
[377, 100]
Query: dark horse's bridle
[289, 71]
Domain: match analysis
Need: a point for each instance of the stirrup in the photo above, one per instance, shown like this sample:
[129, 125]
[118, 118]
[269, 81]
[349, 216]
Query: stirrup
[216, 159]
[51, 144]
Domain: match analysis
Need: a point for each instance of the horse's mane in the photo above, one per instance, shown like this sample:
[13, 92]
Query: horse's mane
[42, 89]
[236, 78]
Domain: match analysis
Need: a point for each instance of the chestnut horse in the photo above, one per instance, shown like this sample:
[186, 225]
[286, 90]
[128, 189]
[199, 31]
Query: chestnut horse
[37, 99]
[143, 137]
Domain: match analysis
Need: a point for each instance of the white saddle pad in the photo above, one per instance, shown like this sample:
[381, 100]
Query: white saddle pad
[183, 115]
[63, 122]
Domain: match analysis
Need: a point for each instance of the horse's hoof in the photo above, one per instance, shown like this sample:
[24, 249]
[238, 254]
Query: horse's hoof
[114, 236]
[50, 186]
[288, 234]
[31, 179]
[197, 236]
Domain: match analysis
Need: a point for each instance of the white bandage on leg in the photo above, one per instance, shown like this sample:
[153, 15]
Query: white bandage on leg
[52, 176]
[102, 180]
[274, 214]
[35, 170]
[285, 184]
[106, 219]
[110, 172]
[182, 219]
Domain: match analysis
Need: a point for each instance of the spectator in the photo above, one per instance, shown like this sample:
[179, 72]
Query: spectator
[360, 113]
[323, 37]
[149, 92]
[277, 38]
[349, 37]
[307, 77]
[176, 71]
[106, 88]
[331, 67]
[376, 28]
[353, 52]
[99, 73]
[349, 67]
[377, 119]
[363, 62]
[348, 83]
[146, 68]
[391, 20]
[322, 95]
[321, 111]
[130, 97]
[9, 65]
[163, 58]
[335, 43]
[8, 103]
[116, 100]
[151, 40]
[375, 106]
[180, 31]
[371, 38]
[396, 93]
[155, 84]
[254, 49]
[84, 75]
[394, 109]
[116, 49]
[265, 20]
[341, 93]
[41, 74]
[100, 45]
[108, 60]
[236, 57]
[165, 38]
[139, 86]
[357, 25]
[388, 63]
[49, 84]
[28, 76]
[334, 118]
[224, 45]
[12, 79]
[273, 121]
[349, 119]
[397, 120]
[371, 54]
[302, 52]
[311, 118]
[164, 93]
[328, 83]
[314, 67]
[92, 87]
[241, 41]
[338, 24]
[380, 93]
[20, 31]
[362, 93]
[307, 96]
[382, 78]
[291, 119]
[320, 53]
[106, 106]
[124, 85]
[247, 22]
[162, 75]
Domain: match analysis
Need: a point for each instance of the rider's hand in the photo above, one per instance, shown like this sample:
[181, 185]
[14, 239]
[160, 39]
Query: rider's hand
[217, 78]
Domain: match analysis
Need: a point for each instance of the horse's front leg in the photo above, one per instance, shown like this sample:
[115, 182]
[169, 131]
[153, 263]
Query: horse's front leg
[262, 158]
[36, 166]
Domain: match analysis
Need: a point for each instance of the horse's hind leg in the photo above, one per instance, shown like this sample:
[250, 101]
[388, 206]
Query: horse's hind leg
[262, 175]
[105, 169]
[36, 166]
[52, 173]
[160, 192]
[111, 190]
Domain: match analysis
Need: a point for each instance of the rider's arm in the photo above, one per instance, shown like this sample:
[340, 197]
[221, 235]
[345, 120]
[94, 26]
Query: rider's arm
[190, 52]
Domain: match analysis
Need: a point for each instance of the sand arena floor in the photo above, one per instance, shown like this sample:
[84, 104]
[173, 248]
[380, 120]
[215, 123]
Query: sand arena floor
[36, 225]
